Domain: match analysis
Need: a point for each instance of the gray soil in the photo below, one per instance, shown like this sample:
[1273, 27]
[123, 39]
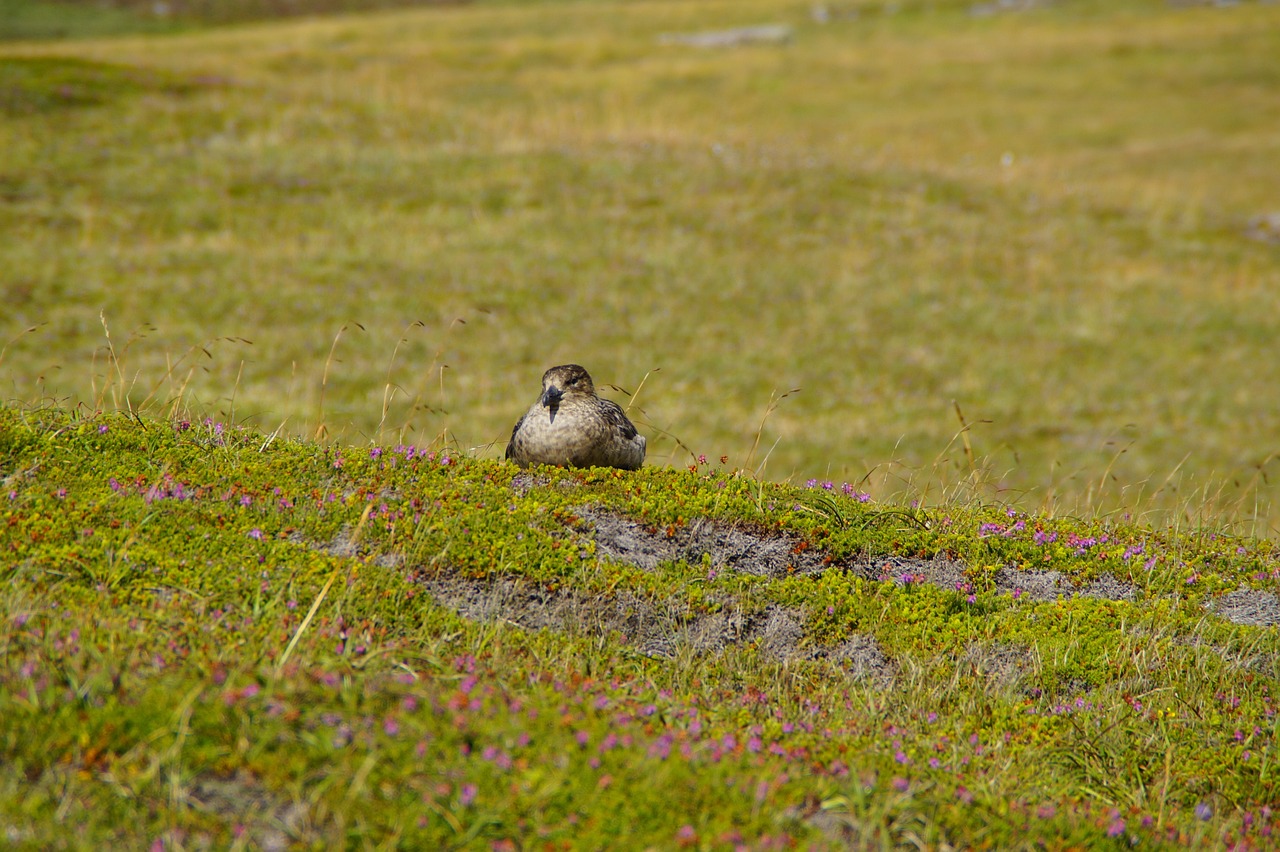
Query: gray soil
[1246, 606]
[663, 629]
[669, 629]
[732, 548]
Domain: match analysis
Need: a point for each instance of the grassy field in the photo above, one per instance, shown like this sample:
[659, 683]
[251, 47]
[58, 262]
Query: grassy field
[387, 226]
[216, 639]
[274, 293]
[67, 19]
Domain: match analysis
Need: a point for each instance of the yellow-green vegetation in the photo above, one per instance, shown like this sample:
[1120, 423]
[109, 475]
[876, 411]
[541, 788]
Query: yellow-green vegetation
[1042, 217]
[49, 19]
[275, 293]
[211, 636]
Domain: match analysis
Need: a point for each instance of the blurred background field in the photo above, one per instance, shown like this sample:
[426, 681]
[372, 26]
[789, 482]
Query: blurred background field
[1056, 223]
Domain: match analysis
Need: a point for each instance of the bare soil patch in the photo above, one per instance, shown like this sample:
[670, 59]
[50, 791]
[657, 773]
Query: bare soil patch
[736, 547]
[669, 628]
[1247, 606]
[663, 629]
[730, 547]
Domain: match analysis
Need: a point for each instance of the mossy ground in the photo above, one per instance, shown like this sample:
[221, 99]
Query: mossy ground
[215, 637]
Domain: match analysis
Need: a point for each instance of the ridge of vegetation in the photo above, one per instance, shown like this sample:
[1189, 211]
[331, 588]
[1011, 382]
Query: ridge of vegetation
[213, 636]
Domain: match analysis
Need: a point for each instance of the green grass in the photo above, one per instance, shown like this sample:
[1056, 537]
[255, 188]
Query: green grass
[275, 293]
[40, 19]
[65, 19]
[214, 637]
[1039, 216]
[1004, 259]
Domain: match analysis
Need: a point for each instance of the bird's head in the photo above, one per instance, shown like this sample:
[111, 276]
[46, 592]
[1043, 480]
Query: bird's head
[566, 380]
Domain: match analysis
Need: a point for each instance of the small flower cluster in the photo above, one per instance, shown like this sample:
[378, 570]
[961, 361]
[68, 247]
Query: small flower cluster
[403, 453]
[845, 488]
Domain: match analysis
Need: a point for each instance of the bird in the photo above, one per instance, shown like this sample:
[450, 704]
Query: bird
[570, 426]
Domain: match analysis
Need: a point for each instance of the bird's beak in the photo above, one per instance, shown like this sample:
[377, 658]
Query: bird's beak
[551, 396]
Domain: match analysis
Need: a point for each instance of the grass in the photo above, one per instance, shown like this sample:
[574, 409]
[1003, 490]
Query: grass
[276, 292]
[216, 637]
[34, 19]
[63, 19]
[1040, 217]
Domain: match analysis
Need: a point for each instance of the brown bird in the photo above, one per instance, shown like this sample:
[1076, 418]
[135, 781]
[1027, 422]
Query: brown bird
[571, 426]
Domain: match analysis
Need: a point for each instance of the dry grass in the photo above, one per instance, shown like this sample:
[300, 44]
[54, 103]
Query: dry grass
[1037, 217]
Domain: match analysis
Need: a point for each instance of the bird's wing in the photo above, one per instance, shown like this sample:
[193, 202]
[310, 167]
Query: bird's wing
[617, 418]
[512, 443]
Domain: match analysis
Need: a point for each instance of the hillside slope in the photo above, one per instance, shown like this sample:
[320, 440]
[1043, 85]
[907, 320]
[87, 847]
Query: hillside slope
[214, 637]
